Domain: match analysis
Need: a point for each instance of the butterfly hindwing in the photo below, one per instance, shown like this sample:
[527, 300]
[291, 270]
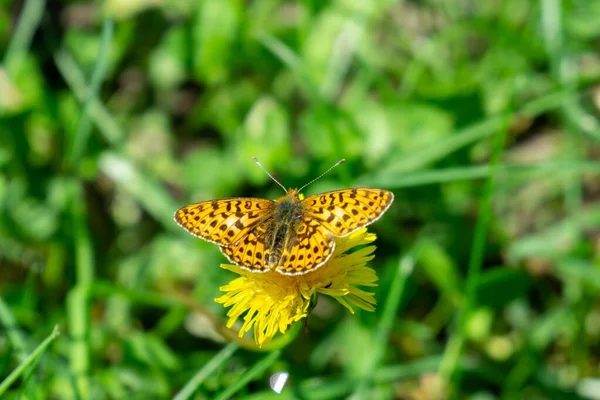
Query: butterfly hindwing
[249, 252]
[224, 221]
[342, 212]
[306, 248]
[309, 247]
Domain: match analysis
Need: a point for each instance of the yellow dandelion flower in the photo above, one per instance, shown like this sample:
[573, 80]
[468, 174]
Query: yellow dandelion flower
[272, 301]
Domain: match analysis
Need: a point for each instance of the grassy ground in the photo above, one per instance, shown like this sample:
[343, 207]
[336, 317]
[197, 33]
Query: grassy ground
[481, 117]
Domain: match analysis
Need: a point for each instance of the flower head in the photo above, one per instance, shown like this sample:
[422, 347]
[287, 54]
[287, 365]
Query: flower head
[272, 301]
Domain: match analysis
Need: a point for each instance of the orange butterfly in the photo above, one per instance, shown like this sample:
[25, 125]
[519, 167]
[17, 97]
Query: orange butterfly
[290, 235]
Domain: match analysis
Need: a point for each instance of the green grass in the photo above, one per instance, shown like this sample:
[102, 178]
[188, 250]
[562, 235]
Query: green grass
[29, 362]
[208, 369]
[481, 117]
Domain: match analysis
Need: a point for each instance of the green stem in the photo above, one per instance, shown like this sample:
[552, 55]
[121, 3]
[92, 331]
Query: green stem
[28, 362]
[79, 297]
[252, 373]
[83, 129]
[21, 40]
[390, 311]
[452, 174]
[456, 345]
[207, 369]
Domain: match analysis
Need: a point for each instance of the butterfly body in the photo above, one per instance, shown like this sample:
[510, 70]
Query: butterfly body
[289, 235]
[282, 227]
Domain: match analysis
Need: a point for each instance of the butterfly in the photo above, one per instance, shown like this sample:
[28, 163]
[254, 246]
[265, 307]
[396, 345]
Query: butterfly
[290, 235]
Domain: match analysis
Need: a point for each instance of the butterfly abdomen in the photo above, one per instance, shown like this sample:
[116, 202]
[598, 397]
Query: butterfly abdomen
[282, 233]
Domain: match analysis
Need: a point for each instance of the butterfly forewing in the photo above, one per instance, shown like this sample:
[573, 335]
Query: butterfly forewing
[225, 221]
[342, 212]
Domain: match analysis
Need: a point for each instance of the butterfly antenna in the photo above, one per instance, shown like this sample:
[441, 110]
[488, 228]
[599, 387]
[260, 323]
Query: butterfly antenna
[267, 172]
[343, 160]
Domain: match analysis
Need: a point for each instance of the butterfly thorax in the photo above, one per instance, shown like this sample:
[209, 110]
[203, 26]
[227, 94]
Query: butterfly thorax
[281, 232]
[289, 207]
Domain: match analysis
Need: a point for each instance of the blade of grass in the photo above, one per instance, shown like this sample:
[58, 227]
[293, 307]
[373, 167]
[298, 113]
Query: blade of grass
[586, 272]
[477, 131]
[390, 311]
[294, 63]
[30, 19]
[439, 150]
[563, 71]
[550, 242]
[324, 388]
[79, 356]
[455, 346]
[83, 129]
[149, 192]
[207, 369]
[251, 373]
[392, 373]
[417, 65]
[552, 32]
[75, 79]
[29, 362]
[84, 253]
[105, 289]
[442, 175]
[79, 296]
[582, 120]
[347, 42]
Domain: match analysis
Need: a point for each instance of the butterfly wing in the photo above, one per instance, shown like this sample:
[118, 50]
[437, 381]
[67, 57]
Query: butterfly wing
[224, 222]
[342, 212]
[336, 213]
[249, 252]
[306, 249]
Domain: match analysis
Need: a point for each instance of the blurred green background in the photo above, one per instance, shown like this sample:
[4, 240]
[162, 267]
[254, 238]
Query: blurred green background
[482, 117]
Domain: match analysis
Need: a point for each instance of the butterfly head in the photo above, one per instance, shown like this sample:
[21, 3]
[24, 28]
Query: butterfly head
[292, 197]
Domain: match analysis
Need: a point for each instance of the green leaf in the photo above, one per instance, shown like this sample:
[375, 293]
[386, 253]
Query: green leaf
[152, 351]
[215, 31]
[167, 67]
[499, 286]
[265, 135]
